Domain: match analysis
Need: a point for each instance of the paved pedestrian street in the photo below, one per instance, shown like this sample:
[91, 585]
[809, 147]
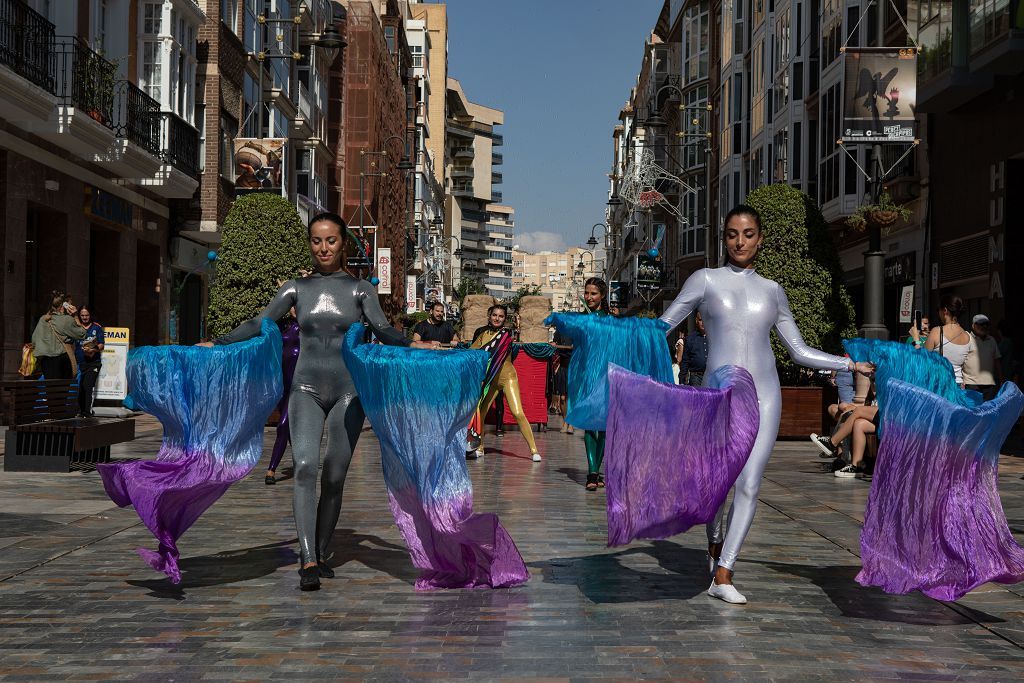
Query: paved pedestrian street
[77, 603]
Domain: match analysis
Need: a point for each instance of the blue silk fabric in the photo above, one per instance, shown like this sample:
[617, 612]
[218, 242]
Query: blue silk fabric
[419, 402]
[634, 344]
[934, 521]
[213, 404]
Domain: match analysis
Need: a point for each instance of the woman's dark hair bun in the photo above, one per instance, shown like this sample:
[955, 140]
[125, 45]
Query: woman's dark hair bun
[953, 304]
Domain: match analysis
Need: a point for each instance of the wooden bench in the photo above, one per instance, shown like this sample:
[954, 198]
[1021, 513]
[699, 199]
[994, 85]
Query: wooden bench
[44, 434]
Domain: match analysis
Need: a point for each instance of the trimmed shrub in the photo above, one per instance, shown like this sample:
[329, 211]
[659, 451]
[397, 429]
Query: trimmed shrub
[799, 254]
[264, 242]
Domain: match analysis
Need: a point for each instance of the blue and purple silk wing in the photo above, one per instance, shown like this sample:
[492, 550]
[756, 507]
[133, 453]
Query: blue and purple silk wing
[934, 521]
[675, 451]
[634, 344]
[213, 404]
[419, 403]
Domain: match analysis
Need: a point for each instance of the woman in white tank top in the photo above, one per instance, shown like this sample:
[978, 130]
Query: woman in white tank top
[949, 339]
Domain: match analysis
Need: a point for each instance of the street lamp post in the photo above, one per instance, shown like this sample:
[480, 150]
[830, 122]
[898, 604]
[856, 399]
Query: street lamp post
[592, 243]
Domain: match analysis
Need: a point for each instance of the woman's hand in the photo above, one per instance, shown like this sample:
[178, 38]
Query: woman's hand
[426, 345]
[866, 369]
[205, 344]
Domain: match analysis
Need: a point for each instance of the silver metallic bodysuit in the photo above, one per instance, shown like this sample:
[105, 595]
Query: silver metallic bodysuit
[739, 308]
[322, 391]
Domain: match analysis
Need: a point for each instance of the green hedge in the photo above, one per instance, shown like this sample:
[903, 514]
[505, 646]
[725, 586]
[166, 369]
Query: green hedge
[799, 254]
[264, 242]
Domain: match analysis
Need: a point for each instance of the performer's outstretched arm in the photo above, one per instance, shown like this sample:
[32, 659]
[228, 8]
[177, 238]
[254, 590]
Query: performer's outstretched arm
[687, 301]
[799, 351]
[375, 316]
[275, 310]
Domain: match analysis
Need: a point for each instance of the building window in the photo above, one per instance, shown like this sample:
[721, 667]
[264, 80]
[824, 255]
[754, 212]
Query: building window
[830, 128]
[780, 167]
[757, 91]
[389, 38]
[228, 131]
[780, 61]
[696, 42]
[151, 66]
[417, 55]
[229, 14]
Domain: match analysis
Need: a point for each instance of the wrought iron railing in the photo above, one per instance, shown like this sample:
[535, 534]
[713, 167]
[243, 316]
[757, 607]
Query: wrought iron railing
[137, 117]
[26, 41]
[180, 144]
[84, 79]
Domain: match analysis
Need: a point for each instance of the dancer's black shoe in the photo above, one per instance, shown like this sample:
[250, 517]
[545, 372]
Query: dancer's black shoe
[309, 579]
[269, 480]
[592, 481]
[325, 571]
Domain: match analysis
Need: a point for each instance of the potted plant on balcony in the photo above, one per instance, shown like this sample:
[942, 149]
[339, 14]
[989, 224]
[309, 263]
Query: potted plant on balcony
[800, 255]
[882, 215]
[94, 85]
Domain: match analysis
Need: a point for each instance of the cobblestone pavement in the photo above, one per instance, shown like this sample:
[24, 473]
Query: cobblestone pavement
[77, 603]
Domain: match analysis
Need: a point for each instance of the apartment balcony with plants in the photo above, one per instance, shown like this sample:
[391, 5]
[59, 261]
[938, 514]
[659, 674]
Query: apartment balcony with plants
[77, 96]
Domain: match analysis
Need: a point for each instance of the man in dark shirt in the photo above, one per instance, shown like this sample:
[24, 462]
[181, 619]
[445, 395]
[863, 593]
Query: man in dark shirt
[695, 356]
[435, 329]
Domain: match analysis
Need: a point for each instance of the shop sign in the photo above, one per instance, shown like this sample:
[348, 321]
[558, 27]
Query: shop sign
[907, 304]
[112, 384]
[900, 269]
[880, 95]
[410, 293]
[384, 270]
[648, 271]
[106, 207]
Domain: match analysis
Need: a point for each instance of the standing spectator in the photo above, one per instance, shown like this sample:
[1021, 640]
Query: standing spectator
[695, 356]
[56, 328]
[982, 370]
[950, 339]
[1007, 360]
[677, 357]
[918, 337]
[435, 329]
[560, 385]
[89, 353]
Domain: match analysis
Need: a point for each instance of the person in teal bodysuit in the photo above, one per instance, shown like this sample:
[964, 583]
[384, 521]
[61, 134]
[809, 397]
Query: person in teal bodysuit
[595, 296]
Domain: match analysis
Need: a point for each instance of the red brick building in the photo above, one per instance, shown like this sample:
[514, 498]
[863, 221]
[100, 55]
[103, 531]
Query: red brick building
[376, 93]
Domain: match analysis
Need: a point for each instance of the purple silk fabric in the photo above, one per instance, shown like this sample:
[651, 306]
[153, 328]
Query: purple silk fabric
[673, 452]
[213, 404]
[934, 521]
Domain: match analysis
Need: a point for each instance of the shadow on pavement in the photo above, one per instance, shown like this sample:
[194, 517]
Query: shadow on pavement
[229, 566]
[574, 474]
[390, 558]
[859, 602]
[603, 578]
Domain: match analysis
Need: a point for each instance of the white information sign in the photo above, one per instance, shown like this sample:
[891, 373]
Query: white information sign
[112, 384]
[384, 270]
[907, 304]
[410, 293]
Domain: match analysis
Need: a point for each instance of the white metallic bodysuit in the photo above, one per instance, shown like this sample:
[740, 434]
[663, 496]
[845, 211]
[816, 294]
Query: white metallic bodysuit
[739, 308]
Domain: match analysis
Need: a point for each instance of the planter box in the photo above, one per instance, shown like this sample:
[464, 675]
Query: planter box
[805, 410]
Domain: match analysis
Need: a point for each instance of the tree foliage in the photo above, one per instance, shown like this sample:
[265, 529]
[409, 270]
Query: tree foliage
[799, 254]
[525, 290]
[264, 242]
[467, 286]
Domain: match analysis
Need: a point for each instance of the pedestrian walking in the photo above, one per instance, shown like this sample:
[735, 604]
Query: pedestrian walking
[89, 354]
[983, 371]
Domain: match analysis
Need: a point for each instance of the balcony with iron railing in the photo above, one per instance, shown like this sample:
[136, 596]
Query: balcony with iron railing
[26, 41]
[136, 117]
[84, 79]
[462, 172]
[464, 152]
[179, 144]
[497, 159]
[496, 178]
[496, 197]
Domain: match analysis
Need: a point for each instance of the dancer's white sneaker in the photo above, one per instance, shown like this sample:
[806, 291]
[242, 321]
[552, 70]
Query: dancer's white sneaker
[479, 452]
[536, 457]
[726, 592]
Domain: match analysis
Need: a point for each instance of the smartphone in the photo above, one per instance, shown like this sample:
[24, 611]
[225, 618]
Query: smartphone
[917, 320]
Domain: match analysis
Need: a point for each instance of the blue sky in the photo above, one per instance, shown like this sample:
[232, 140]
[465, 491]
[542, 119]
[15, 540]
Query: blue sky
[560, 70]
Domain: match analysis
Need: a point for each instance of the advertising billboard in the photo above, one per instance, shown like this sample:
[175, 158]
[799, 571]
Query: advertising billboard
[258, 165]
[880, 95]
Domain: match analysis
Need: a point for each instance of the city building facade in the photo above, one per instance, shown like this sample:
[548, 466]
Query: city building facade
[559, 274]
[99, 152]
[472, 161]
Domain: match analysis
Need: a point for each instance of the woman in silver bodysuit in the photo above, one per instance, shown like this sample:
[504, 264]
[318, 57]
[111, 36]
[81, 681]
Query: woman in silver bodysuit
[326, 304]
[740, 308]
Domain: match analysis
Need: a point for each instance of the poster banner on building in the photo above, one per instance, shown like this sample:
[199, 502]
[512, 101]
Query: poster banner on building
[258, 165]
[618, 295]
[361, 249]
[907, 304]
[112, 384]
[410, 293]
[880, 95]
[648, 271]
[384, 270]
